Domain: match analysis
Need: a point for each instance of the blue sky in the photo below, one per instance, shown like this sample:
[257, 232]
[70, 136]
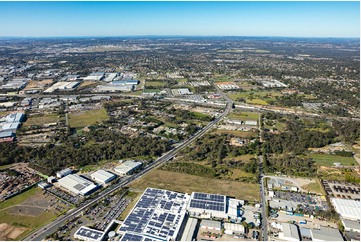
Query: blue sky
[293, 19]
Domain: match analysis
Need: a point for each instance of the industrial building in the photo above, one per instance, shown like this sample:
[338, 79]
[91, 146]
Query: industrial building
[250, 122]
[351, 225]
[181, 91]
[233, 208]
[326, 234]
[207, 205]
[114, 88]
[88, 234]
[289, 232]
[127, 167]
[158, 215]
[64, 172]
[189, 232]
[102, 176]
[347, 208]
[232, 228]
[211, 224]
[6, 136]
[63, 86]
[77, 185]
[95, 76]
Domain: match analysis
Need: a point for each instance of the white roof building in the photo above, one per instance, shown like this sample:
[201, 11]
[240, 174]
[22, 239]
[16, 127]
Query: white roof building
[127, 167]
[102, 176]
[351, 225]
[326, 234]
[189, 230]
[211, 224]
[64, 172]
[289, 232]
[250, 122]
[88, 234]
[347, 208]
[207, 205]
[77, 184]
[231, 228]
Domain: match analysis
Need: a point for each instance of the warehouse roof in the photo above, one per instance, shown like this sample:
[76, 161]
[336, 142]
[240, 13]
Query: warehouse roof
[89, 234]
[77, 184]
[208, 201]
[211, 224]
[127, 166]
[351, 224]
[347, 208]
[234, 227]
[102, 175]
[326, 234]
[158, 215]
[290, 231]
[188, 233]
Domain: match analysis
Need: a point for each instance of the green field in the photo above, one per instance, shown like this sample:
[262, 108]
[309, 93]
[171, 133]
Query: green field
[328, 160]
[151, 90]
[244, 116]
[155, 84]
[255, 97]
[237, 133]
[189, 183]
[87, 118]
[42, 119]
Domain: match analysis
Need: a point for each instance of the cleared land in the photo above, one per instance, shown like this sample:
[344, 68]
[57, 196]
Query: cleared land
[24, 212]
[237, 133]
[314, 187]
[87, 118]
[329, 160]
[155, 84]
[255, 97]
[244, 116]
[189, 183]
[42, 119]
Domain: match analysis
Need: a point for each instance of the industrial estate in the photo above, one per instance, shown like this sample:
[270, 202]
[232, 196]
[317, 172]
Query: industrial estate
[179, 139]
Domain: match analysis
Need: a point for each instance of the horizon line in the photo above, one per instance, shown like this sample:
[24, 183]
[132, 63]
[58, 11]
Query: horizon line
[175, 35]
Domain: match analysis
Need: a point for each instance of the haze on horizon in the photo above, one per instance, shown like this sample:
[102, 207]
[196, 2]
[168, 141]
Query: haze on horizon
[288, 19]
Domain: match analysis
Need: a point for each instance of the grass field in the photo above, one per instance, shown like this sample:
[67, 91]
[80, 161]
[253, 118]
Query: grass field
[86, 118]
[31, 222]
[314, 187]
[155, 84]
[42, 119]
[328, 160]
[244, 158]
[255, 97]
[189, 183]
[237, 133]
[244, 116]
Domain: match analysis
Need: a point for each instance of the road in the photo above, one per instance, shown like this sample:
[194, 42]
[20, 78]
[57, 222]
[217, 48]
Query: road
[52, 227]
[264, 228]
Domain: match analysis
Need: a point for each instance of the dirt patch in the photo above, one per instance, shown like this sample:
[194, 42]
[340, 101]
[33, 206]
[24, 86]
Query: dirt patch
[10, 232]
[24, 210]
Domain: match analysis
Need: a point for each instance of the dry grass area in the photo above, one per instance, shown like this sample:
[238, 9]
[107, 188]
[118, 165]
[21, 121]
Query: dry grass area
[237, 133]
[10, 232]
[314, 187]
[86, 118]
[189, 183]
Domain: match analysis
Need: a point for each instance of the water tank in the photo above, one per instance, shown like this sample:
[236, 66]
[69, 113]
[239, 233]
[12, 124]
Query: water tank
[111, 234]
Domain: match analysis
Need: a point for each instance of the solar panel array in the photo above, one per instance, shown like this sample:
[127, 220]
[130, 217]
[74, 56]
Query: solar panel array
[157, 216]
[208, 201]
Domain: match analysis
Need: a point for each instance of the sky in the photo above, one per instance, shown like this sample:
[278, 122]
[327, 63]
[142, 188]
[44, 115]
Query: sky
[289, 19]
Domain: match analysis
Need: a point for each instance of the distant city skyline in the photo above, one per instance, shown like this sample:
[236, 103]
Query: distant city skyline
[281, 19]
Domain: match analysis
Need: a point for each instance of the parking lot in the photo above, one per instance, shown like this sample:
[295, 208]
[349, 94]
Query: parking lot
[342, 189]
[309, 203]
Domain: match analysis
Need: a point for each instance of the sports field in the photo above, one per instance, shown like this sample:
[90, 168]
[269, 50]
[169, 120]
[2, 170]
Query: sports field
[87, 118]
[189, 183]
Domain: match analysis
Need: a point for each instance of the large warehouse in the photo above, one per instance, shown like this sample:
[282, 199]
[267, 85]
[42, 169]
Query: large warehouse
[289, 232]
[158, 215]
[127, 167]
[207, 205]
[77, 185]
[102, 176]
[347, 208]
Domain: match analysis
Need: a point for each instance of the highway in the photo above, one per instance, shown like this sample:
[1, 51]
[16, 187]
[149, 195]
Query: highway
[52, 227]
